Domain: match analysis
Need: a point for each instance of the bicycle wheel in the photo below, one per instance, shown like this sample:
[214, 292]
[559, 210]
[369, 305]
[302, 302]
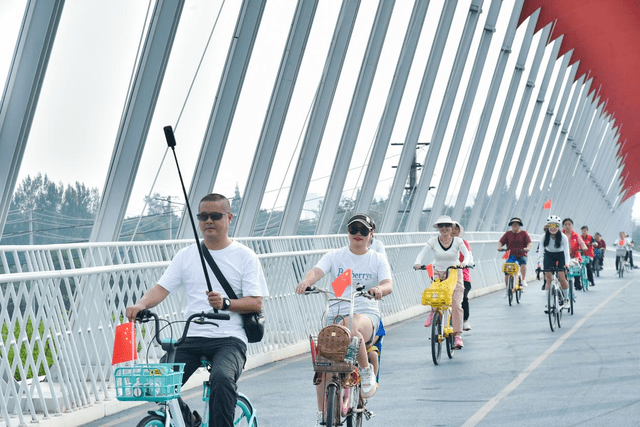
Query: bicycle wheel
[518, 290]
[559, 310]
[332, 417]
[449, 342]
[552, 306]
[510, 289]
[152, 420]
[244, 415]
[354, 419]
[571, 298]
[436, 331]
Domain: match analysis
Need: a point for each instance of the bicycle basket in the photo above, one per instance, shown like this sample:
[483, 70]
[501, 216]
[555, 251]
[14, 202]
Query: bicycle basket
[154, 382]
[510, 268]
[323, 364]
[621, 251]
[575, 270]
[441, 291]
[333, 341]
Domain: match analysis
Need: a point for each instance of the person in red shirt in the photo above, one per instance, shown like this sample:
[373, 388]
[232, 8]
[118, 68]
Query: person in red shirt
[602, 247]
[518, 243]
[591, 244]
[576, 244]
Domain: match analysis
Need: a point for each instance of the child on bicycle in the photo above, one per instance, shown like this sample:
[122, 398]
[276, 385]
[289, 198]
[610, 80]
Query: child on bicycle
[445, 249]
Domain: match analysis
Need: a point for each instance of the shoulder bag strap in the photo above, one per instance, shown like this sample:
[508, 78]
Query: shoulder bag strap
[216, 270]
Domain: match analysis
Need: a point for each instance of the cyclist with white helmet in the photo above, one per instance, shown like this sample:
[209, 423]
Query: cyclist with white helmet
[554, 251]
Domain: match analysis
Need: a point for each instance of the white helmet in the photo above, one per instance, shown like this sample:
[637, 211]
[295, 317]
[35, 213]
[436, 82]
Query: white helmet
[554, 219]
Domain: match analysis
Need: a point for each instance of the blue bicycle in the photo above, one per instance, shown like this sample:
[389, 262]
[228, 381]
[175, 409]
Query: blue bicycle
[162, 382]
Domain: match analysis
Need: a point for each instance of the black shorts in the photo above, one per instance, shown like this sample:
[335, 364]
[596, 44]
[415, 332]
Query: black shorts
[553, 259]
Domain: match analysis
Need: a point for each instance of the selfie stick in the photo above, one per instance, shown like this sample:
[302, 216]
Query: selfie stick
[171, 142]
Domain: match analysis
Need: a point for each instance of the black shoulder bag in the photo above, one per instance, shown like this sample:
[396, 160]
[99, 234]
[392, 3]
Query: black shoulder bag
[253, 322]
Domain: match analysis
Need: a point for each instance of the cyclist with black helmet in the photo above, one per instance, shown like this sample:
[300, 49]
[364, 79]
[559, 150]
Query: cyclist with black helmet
[518, 244]
[554, 251]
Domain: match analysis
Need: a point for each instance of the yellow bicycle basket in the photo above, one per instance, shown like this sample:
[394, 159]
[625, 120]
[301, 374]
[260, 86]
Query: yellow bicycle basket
[510, 268]
[441, 291]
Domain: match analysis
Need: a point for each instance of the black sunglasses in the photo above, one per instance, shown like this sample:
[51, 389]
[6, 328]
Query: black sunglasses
[444, 225]
[203, 216]
[355, 229]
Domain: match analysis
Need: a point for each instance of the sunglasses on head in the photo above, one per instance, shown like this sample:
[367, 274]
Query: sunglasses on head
[215, 216]
[354, 229]
[444, 225]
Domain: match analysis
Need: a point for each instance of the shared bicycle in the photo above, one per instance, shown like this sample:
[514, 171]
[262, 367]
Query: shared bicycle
[162, 382]
[440, 297]
[334, 357]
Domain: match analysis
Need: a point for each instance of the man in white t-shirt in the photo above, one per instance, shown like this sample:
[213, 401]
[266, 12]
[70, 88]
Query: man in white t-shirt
[225, 346]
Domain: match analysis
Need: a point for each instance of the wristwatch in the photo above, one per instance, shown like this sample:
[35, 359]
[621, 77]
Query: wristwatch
[226, 303]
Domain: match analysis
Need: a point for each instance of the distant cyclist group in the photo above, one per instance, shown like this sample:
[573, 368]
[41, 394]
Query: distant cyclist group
[346, 358]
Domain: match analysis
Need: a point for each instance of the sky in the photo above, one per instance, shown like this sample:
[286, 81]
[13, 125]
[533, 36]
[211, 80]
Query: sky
[85, 89]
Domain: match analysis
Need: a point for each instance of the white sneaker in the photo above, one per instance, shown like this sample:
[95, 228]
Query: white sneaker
[524, 283]
[368, 380]
[319, 419]
[466, 326]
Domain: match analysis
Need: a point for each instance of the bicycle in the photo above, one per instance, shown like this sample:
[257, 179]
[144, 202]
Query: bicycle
[334, 358]
[621, 260]
[514, 283]
[597, 262]
[514, 280]
[162, 382]
[554, 296]
[440, 297]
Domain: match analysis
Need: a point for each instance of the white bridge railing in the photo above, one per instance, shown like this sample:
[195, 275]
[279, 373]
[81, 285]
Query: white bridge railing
[60, 304]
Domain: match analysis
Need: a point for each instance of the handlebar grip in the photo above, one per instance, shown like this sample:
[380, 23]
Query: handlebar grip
[310, 289]
[143, 315]
[216, 316]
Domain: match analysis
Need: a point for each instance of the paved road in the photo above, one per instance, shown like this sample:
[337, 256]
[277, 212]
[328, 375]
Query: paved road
[512, 371]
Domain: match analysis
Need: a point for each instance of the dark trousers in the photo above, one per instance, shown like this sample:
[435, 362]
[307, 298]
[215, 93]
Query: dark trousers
[590, 272]
[465, 301]
[629, 258]
[227, 356]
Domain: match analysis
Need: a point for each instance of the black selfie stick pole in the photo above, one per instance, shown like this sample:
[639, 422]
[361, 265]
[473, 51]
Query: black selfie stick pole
[171, 142]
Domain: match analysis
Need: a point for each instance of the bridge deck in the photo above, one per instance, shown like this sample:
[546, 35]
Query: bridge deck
[512, 371]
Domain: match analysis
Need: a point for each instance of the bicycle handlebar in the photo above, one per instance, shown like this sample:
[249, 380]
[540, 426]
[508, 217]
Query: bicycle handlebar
[458, 267]
[145, 316]
[359, 292]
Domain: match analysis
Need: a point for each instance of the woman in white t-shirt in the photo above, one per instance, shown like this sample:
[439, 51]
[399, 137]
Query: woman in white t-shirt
[368, 268]
[445, 250]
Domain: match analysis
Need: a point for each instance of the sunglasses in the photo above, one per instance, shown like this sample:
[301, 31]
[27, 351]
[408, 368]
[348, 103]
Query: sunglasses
[444, 225]
[353, 229]
[554, 226]
[215, 216]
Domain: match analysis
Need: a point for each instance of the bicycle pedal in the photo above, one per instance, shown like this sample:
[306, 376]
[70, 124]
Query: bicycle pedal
[368, 414]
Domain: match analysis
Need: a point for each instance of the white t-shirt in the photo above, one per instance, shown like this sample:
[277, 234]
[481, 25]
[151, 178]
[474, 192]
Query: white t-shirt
[564, 247]
[239, 265]
[444, 258]
[376, 245]
[369, 270]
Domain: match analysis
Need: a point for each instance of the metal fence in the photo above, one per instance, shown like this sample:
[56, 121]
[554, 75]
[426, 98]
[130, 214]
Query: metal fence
[60, 305]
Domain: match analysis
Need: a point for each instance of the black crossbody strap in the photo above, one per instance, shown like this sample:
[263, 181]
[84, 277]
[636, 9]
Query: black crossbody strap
[216, 270]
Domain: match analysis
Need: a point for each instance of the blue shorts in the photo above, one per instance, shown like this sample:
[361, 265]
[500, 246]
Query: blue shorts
[522, 260]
